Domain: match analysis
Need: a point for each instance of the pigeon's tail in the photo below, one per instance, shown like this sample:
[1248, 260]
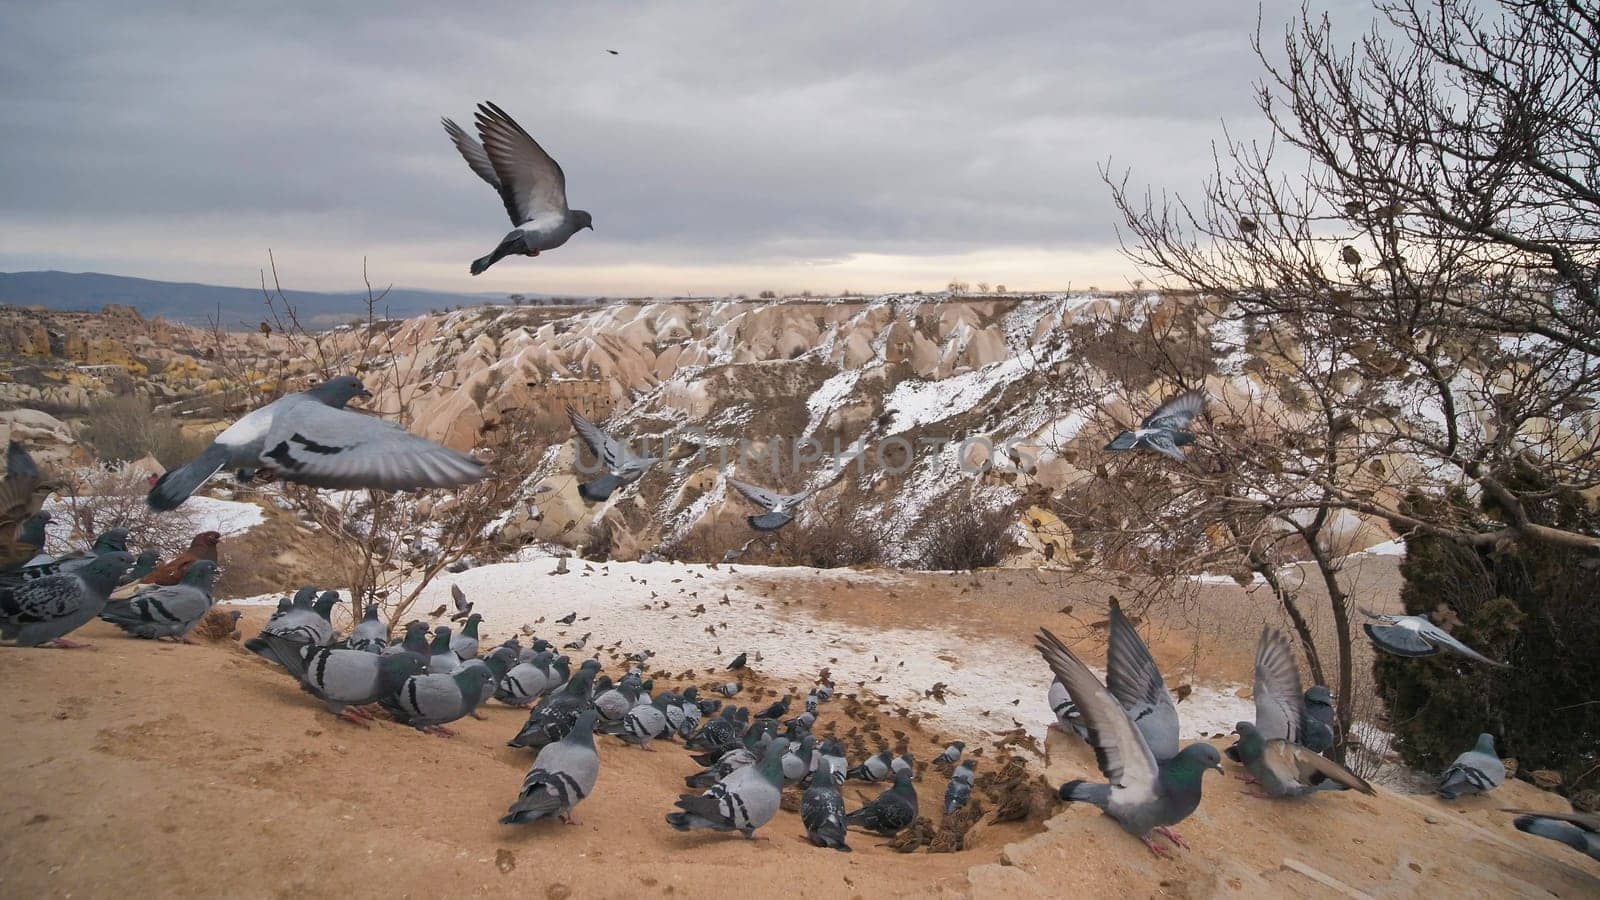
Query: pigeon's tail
[699, 811]
[829, 834]
[682, 821]
[123, 615]
[173, 488]
[1555, 830]
[278, 649]
[599, 489]
[536, 805]
[1084, 792]
[1462, 780]
[771, 521]
[1124, 441]
[507, 247]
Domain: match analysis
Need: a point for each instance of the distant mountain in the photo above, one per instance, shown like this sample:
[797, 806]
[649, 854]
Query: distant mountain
[201, 303]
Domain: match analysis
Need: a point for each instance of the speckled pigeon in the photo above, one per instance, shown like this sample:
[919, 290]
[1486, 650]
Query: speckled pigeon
[822, 809]
[45, 610]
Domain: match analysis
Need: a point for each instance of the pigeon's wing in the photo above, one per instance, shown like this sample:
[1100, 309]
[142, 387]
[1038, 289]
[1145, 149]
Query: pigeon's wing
[1133, 678]
[459, 597]
[1304, 766]
[1162, 443]
[1589, 822]
[315, 444]
[1399, 641]
[1279, 703]
[1437, 635]
[531, 183]
[472, 151]
[46, 600]
[760, 496]
[1119, 748]
[17, 488]
[1176, 413]
[610, 451]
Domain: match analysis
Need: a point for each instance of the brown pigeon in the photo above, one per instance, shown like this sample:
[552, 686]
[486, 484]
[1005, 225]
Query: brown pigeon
[204, 546]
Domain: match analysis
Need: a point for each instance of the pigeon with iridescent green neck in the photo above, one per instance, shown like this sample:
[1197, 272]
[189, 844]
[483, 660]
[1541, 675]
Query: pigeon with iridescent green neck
[465, 644]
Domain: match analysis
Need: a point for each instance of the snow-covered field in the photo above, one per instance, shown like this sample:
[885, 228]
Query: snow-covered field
[229, 517]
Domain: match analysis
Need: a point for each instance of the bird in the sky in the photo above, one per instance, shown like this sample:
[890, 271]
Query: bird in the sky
[530, 183]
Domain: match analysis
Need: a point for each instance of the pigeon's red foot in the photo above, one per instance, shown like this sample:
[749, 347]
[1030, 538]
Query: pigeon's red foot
[440, 730]
[1156, 848]
[351, 715]
[1172, 836]
[64, 644]
[1247, 779]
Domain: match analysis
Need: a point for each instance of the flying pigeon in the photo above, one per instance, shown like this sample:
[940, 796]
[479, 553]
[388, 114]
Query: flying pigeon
[1477, 771]
[1164, 430]
[346, 680]
[1580, 831]
[891, 811]
[621, 466]
[563, 774]
[465, 644]
[1269, 748]
[1141, 794]
[744, 801]
[166, 610]
[430, 702]
[1416, 636]
[203, 546]
[822, 809]
[463, 605]
[959, 790]
[44, 611]
[530, 183]
[305, 439]
[1133, 678]
[370, 635]
[779, 507]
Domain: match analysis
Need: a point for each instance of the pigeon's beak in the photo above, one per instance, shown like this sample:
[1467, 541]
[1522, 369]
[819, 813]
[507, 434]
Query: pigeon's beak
[365, 394]
[1217, 766]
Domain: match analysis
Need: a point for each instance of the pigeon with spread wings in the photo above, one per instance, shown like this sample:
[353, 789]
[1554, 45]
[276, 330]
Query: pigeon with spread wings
[779, 507]
[618, 464]
[1164, 430]
[529, 181]
[1416, 636]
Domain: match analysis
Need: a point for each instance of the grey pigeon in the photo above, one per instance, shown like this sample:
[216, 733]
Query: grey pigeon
[1068, 720]
[413, 643]
[646, 722]
[563, 774]
[1136, 682]
[744, 801]
[442, 660]
[557, 712]
[463, 605]
[1580, 831]
[779, 507]
[615, 703]
[891, 811]
[344, 680]
[1317, 730]
[301, 624]
[875, 768]
[1416, 636]
[797, 764]
[170, 612]
[959, 790]
[305, 439]
[44, 611]
[370, 635]
[1476, 771]
[465, 644]
[737, 758]
[729, 689]
[526, 681]
[951, 754]
[530, 183]
[1141, 793]
[832, 753]
[143, 565]
[904, 764]
[1164, 430]
[430, 702]
[497, 663]
[619, 464]
[302, 599]
[822, 809]
[114, 540]
[691, 711]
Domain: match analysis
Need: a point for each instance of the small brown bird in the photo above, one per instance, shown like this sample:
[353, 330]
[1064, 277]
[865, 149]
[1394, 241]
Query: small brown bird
[22, 493]
[1350, 256]
[204, 546]
[1247, 225]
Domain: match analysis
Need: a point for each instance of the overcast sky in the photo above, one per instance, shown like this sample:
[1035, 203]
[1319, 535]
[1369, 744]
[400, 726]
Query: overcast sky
[728, 147]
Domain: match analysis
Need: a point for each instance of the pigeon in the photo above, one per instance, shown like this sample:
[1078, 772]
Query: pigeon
[1416, 636]
[722, 767]
[744, 801]
[822, 809]
[876, 768]
[530, 183]
[646, 722]
[578, 644]
[959, 790]
[568, 619]
[430, 702]
[143, 565]
[526, 681]
[617, 702]
[904, 764]
[1164, 430]
[305, 439]
[302, 599]
[345, 680]
[1133, 678]
[563, 774]
[1141, 793]
[729, 689]
[889, 812]
[370, 635]
[413, 643]
[797, 764]
[114, 540]
[304, 624]
[1068, 720]
[166, 610]
[497, 663]
[1476, 771]
[465, 644]
[442, 659]
[779, 507]
[692, 713]
[25, 541]
[44, 611]
[951, 754]
[463, 605]
[1317, 731]
[1580, 831]
[620, 466]
[738, 662]
[203, 546]
[777, 710]
[832, 753]
[555, 715]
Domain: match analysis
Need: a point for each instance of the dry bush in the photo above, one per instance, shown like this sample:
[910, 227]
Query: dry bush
[962, 538]
[93, 500]
[126, 427]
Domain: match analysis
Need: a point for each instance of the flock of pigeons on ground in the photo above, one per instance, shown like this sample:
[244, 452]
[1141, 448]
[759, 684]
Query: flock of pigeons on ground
[430, 679]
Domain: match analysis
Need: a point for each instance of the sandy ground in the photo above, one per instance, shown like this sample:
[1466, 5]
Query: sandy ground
[202, 771]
